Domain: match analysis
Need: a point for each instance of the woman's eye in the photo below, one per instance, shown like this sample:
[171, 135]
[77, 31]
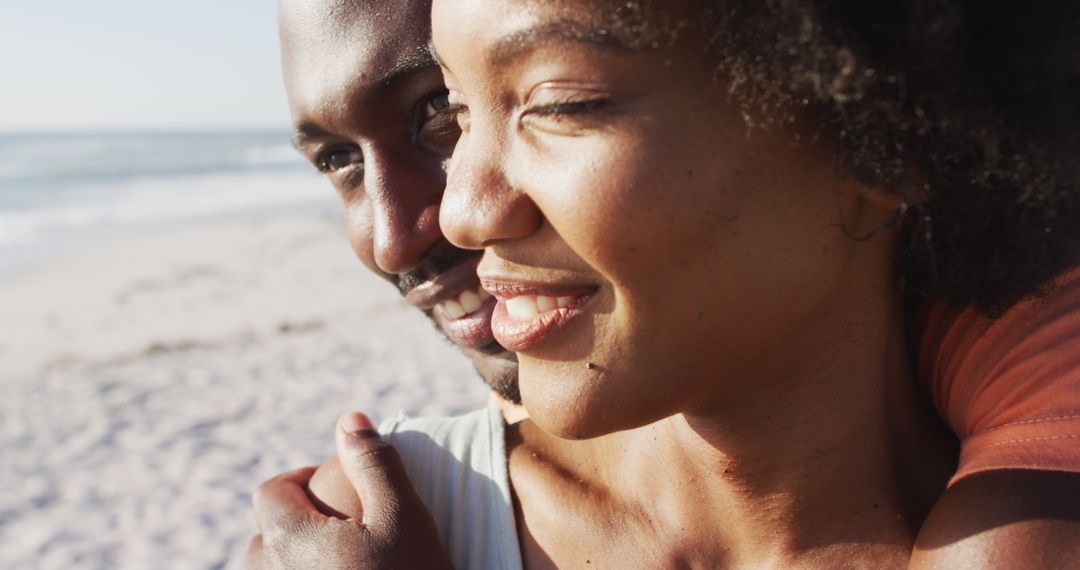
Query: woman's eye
[336, 159]
[563, 108]
[568, 108]
[567, 117]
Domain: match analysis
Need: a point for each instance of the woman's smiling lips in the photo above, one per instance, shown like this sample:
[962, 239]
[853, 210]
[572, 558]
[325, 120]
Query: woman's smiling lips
[527, 314]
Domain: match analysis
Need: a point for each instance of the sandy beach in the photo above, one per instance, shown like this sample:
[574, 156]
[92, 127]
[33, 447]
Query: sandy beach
[147, 385]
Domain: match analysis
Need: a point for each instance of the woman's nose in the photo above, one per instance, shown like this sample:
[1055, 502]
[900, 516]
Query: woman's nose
[480, 206]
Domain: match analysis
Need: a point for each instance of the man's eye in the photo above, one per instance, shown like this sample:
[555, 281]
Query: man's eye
[438, 129]
[437, 105]
[336, 159]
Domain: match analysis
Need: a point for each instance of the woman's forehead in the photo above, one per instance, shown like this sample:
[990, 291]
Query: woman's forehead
[500, 29]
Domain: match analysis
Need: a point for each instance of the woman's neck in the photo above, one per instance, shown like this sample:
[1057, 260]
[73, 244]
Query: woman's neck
[812, 460]
[812, 455]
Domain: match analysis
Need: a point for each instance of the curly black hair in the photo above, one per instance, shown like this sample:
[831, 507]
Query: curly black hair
[967, 109]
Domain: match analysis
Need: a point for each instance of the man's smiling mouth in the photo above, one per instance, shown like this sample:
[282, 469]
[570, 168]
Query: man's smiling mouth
[466, 303]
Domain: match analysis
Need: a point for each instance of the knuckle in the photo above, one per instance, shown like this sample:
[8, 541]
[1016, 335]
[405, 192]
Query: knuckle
[264, 490]
[258, 499]
[377, 456]
[374, 454]
[261, 500]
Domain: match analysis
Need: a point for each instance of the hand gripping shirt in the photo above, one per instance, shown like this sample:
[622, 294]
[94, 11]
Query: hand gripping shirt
[458, 467]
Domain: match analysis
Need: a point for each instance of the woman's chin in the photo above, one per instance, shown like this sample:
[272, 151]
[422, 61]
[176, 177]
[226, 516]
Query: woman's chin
[569, 428]
[574, 408]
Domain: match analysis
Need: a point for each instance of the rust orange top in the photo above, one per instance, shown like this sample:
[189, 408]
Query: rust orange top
[1010, 388]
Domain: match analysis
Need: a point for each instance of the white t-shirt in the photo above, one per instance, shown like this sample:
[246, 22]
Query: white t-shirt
[458, 468]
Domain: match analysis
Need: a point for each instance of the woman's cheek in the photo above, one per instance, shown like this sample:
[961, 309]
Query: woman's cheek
[592, 199]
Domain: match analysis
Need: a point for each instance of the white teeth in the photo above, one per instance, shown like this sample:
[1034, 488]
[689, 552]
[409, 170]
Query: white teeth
[453, 309]
[545, 304]
[470, 301]
[467, 303]
[522, 307]
[527, 306]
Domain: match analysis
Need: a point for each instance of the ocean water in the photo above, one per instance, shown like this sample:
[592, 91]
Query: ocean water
[58, 190]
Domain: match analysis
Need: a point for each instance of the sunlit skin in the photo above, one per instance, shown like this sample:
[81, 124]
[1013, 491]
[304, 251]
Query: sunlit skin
[368, 115]
[722, 303]
[644, 491]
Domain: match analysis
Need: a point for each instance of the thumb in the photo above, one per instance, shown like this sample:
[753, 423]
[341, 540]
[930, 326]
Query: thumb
[375, 471]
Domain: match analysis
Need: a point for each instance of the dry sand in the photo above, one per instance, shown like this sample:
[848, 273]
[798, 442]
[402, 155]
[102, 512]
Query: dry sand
[147, 386]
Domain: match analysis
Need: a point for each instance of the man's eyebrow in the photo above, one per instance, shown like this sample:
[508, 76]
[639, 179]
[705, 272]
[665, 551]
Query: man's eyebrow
[304, 132]
[515, 44]
[418, 60]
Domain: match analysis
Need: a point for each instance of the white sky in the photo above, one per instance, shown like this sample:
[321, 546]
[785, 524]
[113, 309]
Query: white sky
[139, 64]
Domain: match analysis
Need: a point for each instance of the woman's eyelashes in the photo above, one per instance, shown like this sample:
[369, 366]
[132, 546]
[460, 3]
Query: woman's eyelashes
[568, 117]
[553, 111]
[565, 108]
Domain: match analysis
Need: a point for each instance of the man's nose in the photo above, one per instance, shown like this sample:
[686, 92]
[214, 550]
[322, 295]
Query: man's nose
[480, 206]
[404, 192]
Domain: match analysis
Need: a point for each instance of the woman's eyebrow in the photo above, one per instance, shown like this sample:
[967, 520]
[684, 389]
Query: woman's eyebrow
[512, 46]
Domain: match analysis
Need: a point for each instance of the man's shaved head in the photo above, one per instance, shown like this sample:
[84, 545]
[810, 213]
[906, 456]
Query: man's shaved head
[323, 38]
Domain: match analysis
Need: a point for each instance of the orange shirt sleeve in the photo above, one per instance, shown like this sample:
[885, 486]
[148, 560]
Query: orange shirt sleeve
[1010, 388]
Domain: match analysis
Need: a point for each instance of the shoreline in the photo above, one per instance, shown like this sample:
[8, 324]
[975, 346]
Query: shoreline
[146, 207]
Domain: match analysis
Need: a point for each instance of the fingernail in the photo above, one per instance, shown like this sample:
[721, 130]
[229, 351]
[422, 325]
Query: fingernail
[353, 422]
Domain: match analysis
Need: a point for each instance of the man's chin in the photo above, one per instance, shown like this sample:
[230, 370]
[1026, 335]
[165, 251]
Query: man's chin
[496, 365]
[498, 368]
[494, 349]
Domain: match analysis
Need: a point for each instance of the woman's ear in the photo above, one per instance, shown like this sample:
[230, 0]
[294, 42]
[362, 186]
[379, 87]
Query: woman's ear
[881, 198]
[876, 210]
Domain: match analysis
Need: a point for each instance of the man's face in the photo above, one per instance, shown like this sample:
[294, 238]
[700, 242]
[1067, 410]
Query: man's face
[367, 100]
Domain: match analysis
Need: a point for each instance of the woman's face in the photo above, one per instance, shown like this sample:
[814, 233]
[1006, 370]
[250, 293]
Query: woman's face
[650, 255]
